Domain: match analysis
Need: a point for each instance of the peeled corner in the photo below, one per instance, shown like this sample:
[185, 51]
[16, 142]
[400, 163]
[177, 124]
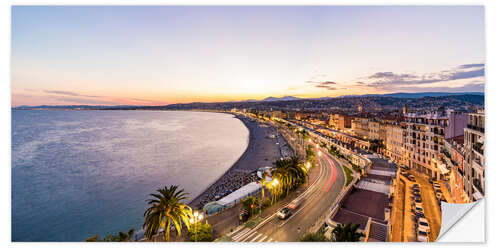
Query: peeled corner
[451, 214]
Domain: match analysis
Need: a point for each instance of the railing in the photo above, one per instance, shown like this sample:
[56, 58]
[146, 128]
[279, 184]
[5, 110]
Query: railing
[480, 129]
[478, 147]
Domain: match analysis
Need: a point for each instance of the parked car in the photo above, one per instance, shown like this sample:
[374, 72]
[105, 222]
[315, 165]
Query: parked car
[423, 224]
[419, 208]
[422, 236]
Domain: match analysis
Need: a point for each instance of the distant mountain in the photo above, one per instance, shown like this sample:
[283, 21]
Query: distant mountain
[284, 98]
[417, 95]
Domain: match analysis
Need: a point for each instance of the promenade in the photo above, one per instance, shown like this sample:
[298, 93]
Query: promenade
[265, 146]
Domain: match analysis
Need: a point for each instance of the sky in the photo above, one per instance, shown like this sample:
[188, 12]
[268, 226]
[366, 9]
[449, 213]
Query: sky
[151, 55]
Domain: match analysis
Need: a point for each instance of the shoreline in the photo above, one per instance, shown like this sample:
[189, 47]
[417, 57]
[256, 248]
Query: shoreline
[259, 153]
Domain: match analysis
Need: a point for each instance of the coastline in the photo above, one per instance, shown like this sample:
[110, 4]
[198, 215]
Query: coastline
[260, 152]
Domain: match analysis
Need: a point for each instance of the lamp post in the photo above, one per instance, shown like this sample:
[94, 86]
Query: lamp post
[197, 217]
[274, 182]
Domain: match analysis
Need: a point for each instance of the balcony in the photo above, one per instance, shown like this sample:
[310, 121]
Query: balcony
[477, 185]
[478, 147]
[476, 128]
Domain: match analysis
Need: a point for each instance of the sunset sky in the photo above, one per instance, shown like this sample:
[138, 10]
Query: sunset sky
[162, 55]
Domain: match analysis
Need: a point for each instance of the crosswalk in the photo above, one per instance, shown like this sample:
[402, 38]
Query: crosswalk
[243, 234]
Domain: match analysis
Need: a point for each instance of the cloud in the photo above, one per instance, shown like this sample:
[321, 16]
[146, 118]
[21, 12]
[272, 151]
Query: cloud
[326, 87]
[329, 85]
[68, 93]
[470, 87]
[391, 79]
[473, 65]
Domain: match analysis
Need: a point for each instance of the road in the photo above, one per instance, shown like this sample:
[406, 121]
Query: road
[318, 200]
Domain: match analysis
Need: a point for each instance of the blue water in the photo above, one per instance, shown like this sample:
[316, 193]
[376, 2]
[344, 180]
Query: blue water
[80, 173]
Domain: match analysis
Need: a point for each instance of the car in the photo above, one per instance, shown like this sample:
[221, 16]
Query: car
[284, 213]
[423, 224]
[418, 200]
[422, 236]
[416, 185]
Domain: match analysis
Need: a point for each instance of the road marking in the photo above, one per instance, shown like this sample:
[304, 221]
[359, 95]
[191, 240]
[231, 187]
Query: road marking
[241, 234]
[247, 236]
[235, 231]
[308, 190]
[300, 209]
[256, 237]
[263, 238]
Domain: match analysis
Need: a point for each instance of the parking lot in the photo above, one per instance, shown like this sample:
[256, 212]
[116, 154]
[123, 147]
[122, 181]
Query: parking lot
[422, 211]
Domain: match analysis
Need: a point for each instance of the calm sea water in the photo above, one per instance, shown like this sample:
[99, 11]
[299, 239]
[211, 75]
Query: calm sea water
[80, 173]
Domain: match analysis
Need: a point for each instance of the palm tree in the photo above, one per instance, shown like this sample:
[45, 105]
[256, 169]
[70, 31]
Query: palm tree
[314, 237]
[347, 233]
[166, 209]
[290, 174]
[250, 204]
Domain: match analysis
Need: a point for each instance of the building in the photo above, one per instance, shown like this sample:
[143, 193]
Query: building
[474, 156]
[360, 127]
[423, 142]
[394, 143]
[374, 130]
[457, 121]
[340, 122]
[453, 155]
[276, 114]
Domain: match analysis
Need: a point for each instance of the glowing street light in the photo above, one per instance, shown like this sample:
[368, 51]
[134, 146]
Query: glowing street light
[275, 182]
[308, 165]
[197, 217]
[319, 153]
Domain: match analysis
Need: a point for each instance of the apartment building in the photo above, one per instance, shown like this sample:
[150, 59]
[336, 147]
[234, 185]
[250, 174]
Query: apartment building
[423, 142]
[360, 127]
[453, 156]
[340, 122]
[394, 143]
[474, 155]
[457, 121]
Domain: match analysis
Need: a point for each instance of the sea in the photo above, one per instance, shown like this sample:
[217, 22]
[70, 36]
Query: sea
[76, 174]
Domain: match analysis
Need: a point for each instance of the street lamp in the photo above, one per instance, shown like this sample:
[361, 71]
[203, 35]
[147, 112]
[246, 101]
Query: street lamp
[197, 217]
[319, 153]
[273, 182]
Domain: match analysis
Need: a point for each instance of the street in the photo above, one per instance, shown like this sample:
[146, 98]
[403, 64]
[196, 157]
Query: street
[318, 200]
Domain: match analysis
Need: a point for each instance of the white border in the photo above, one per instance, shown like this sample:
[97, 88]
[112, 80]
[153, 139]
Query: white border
[492, 105]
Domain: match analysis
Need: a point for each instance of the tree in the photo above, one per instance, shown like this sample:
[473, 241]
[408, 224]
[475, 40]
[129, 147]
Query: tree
[205, 232]
[346, 233]
[120, 237]
[314, 237]
[290, 174]
[94, 238]
[250, 204]
[166, 209]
